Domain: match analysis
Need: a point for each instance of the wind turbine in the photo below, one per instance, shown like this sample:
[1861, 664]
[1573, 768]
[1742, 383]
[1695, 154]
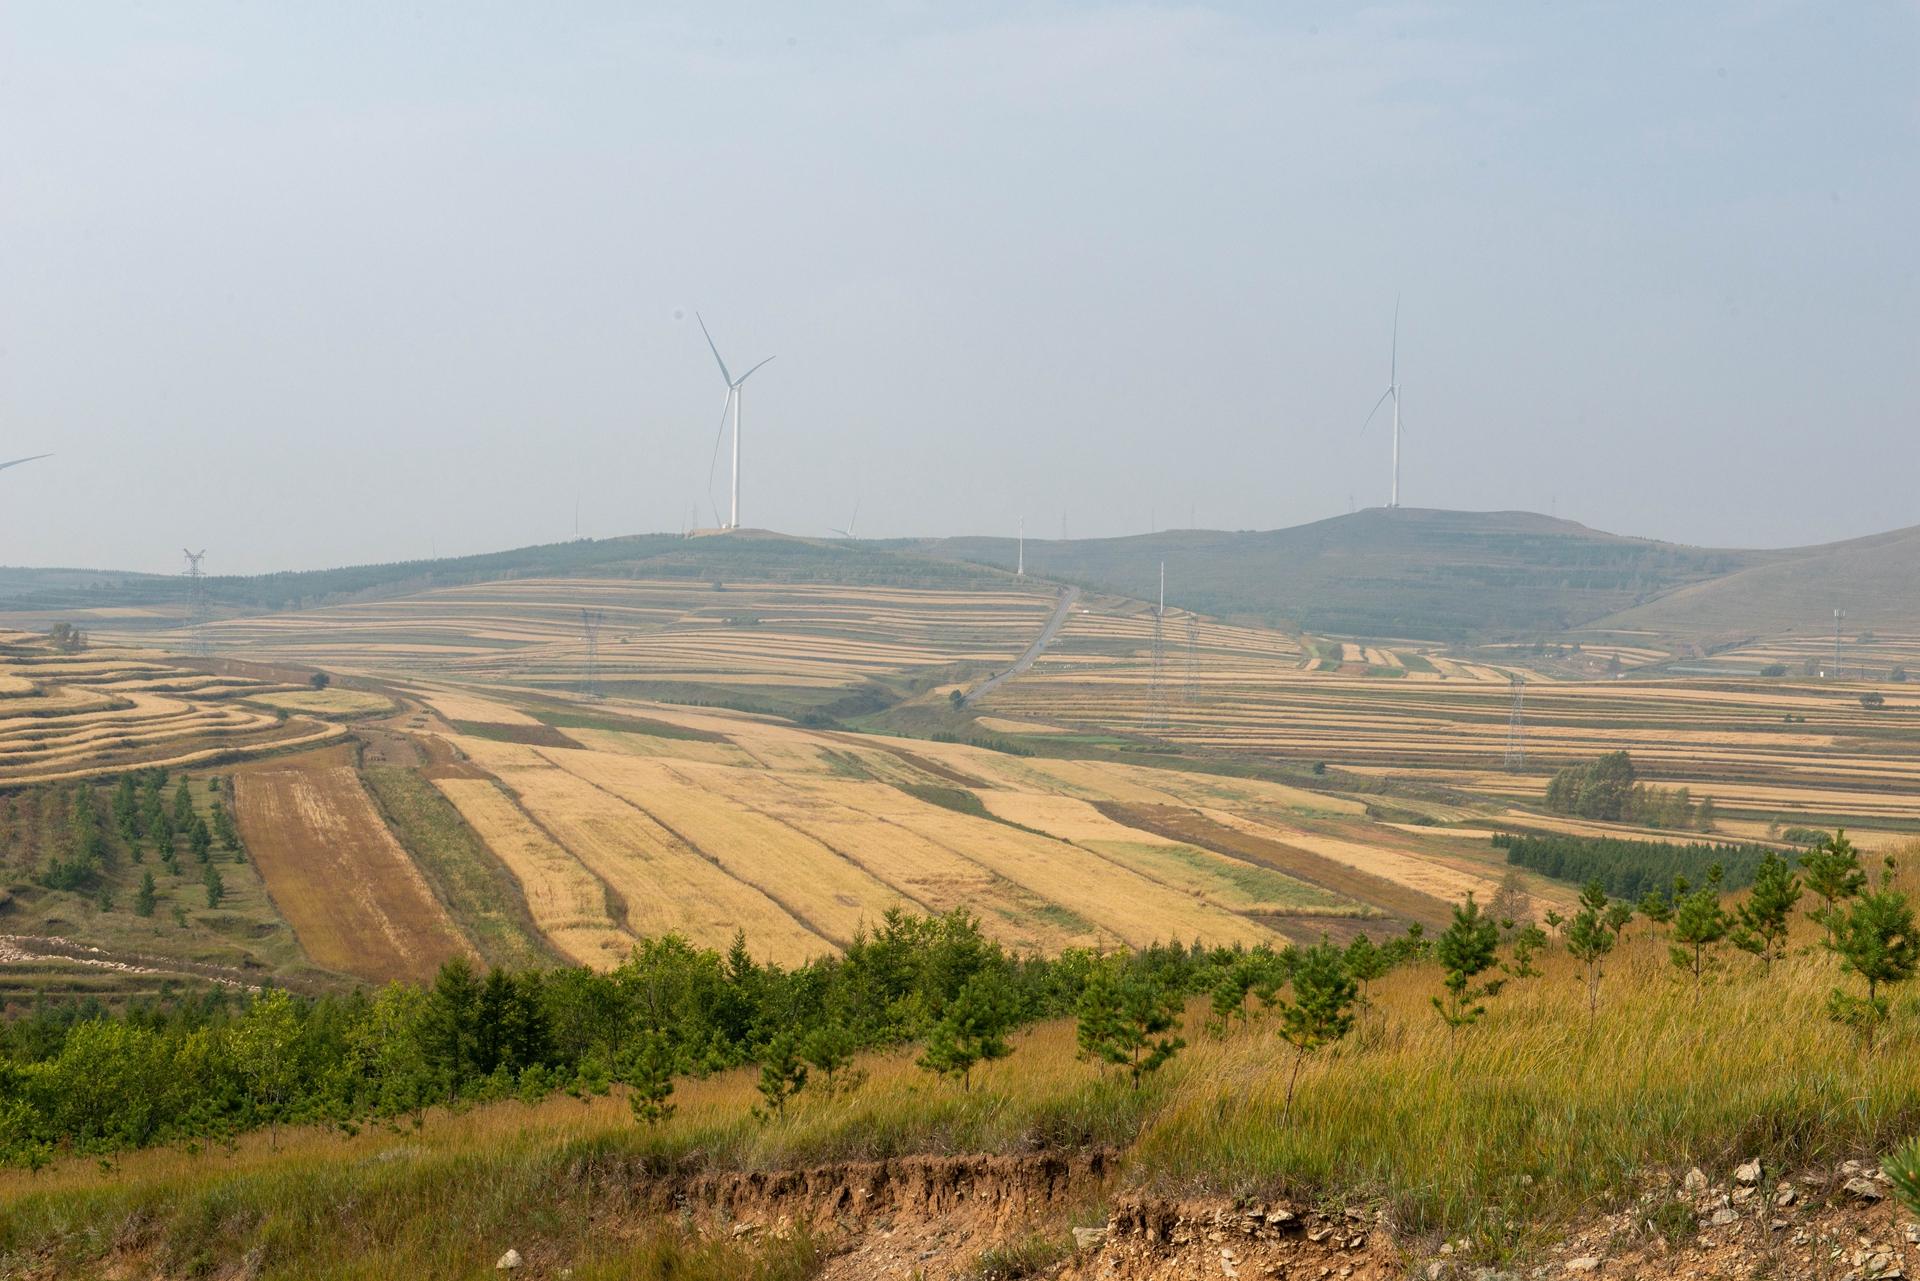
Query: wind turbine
[853, 520]
[733, 404]
[16, 462]
[1392, 393]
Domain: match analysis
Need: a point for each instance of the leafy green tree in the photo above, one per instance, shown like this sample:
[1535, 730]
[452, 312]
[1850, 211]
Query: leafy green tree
[1834, 873]
[262, 1046]
[782, 1074]
[1321, 1011]
[145, 898]
[972, 1030]
[651, 1079]
[1761, 922]
[1590, 937]
[1875, 939]
[1699, 922]
[1704, 815]
[1606, 788]
[1124, 1019]
[1467, 949]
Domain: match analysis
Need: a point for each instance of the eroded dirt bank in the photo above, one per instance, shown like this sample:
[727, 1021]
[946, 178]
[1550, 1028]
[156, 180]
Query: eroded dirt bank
[964, 1218]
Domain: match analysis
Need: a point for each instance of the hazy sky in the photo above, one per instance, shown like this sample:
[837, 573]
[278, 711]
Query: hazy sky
[315, 284]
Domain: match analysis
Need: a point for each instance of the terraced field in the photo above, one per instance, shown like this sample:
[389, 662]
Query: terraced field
[795, 642]
[106, 709]
[1798, 747]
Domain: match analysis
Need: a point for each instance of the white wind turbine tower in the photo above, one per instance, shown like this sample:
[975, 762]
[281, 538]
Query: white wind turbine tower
[733, 404]
[1392, 393]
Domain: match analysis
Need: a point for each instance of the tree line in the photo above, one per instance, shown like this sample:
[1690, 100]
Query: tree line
[82, 1079]
[1608, 789]
[1629, 868]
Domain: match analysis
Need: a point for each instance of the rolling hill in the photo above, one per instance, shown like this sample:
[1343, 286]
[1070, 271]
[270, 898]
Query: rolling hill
[1406, 572]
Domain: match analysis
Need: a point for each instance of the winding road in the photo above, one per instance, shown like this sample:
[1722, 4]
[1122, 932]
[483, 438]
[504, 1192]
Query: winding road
[1040, 643]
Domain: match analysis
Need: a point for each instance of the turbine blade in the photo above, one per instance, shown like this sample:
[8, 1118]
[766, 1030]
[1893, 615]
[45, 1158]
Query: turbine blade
[16, 462]
[1393, 369]
[1376, 408]
[743, 377]
[715, 350]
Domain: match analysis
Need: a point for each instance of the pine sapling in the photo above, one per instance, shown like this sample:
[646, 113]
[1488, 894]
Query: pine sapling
[1761, 922]
[1467, 949]
[1834, 873]
[1699, 922]
[782, 1074]
[1321, 1011]
[1876, 940]
[651, 1078]
[1589, 939]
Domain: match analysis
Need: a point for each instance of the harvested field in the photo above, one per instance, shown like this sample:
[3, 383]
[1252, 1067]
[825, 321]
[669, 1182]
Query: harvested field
[355, 900]
[568, 903]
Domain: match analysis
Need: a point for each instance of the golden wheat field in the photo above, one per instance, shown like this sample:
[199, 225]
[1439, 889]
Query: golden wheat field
[657, 807]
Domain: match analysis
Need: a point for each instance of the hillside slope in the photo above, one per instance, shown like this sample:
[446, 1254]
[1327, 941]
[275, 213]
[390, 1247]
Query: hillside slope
[1406, 572]
[1875, 580]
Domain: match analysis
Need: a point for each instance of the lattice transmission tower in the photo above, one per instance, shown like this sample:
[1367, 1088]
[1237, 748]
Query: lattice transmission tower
[1157, 713]
[197, 610]
[1516, 727]
[1193, 654]
[590, 620]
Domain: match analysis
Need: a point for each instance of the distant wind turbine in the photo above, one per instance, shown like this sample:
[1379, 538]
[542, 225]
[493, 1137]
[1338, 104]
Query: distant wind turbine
[16, 462]
[1392, 393]
[732, 403]
[853, 520]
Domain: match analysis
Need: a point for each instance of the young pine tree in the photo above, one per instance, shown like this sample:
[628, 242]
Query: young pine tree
[146, 896]
[1590, 938]
[1366, 962]
[1321, 1011]
[216, 888]
[1834, 873]
[828, 1050]
[1124, 1018]
[1656, 909]
[1699, 922]
[782, 1074]
[1875, 938]
[183, 804]
[1467, 949]
[1761, 922]
[972, 1030]
[1527, 945]
[652, 1080]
